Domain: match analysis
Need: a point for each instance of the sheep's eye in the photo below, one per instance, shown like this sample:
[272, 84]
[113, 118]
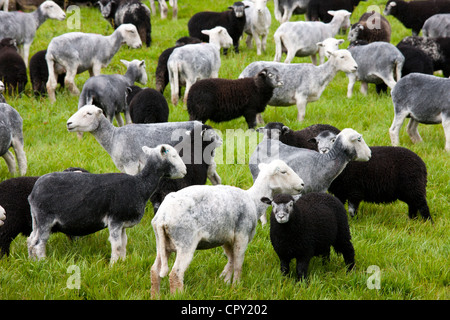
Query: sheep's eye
[359, 139]
[89, 113]
[333, 140]
[283, 172]
[270, 75]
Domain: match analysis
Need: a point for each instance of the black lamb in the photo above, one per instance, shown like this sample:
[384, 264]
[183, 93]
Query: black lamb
[13, 71]
[149, 106]
[371, 27]
[39, 73]
[307, 228]
[224, 99]
[413, 14]
[318, 9]
[233, 20]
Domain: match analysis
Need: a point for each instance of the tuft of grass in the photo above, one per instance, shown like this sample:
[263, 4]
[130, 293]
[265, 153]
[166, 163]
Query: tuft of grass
[412, 255]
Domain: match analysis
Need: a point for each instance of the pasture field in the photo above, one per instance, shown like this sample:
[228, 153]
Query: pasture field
[411, 258]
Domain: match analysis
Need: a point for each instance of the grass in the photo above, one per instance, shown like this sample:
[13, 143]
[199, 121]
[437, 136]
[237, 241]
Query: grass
[412, 256]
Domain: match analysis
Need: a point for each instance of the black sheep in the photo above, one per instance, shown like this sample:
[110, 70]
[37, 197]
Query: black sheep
[318, 9]
[223, 99]
[162, 73]
[39, 73]
[13, 71]
[149, 106]
[371, 27]
[233, 20]
[413, 14]
[307, 228]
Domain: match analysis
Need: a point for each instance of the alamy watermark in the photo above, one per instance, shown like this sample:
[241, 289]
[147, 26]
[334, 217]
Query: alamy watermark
[374, 281]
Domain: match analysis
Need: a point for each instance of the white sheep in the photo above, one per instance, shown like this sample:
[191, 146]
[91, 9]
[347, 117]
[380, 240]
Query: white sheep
[300, 38]
[193, 62]
[303, 82]
[22, 26]
[257, 24]
[78, 204]
[76, 52]
[203, 217]
[326, 46]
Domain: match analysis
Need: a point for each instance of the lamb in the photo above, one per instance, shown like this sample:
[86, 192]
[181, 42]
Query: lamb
[96, 201]
[2, 88]
[124, 144]
[284, 9]
[424, 99]
[39, 73]
[308, 227]
[437, 26]
[148, 106]
[304, 138]
[108, 92]
[300, 38]
[22, 26]
[319, 9]
[413, 14]
[13, 71]
[223, 99]
[232, 20]
[371, 27]
[162, 73]
[118, 12]
[438, 49]
[203, 217]
[193, 62]
[11, 135]
[378, 62]
[303, 82]
[14, 194]
[164, 9]
[257, 24]
[76, 52]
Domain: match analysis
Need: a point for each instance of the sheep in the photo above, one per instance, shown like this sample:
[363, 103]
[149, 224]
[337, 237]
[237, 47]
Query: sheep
[438, 49]
[232, 20]
[258, 21]
[284, 9]
[437, 26]
[118, 12]
[5, 4]
[2, 88]
[193, 62]
[149, 106]
[123, 144]
[203, 217]
[303, 82]
[424, 99]
[109, 91]
[22, 26]
[224, 99]
[308, 227]
[413, 14]
[304, 138]
[163, 8]
[300, 38]
[371, 27]
[96, 201]
[76, 52]
[39, 73]
[14, 194]
[13, 71]
[326, 46]
[319, 9]
[11, 135]
[162, 73]
[378, 62]
[392, 173]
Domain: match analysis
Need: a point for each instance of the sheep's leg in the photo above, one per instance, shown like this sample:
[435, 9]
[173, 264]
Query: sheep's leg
[302, 267]
[258, 45]
[412, 131]
[52, 82]
[119, 119]
[212, 174]
[96, 69]
[182, 261]
[240, 246]
[446, 125]
[20, 155]
[69, 80]
[155, 277]
[26, 53]
[248, 41]
[278, 47]
[127, 115]
[123, 252]
[189, 84]
[228, 270]
[364, 88]
[290, 55]
[394, 130]
[10, 162]
[284, 266]
[314, 59]
[264, 42]
[115, 237]
[301, 102]
[259, 119]
[351, 83]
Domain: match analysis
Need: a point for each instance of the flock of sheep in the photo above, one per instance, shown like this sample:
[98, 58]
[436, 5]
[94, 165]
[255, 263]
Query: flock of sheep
[190, 215]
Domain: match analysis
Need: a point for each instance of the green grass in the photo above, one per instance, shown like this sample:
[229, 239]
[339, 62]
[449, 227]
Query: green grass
[413, 256]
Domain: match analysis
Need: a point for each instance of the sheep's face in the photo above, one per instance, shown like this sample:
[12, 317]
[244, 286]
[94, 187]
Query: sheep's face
[177, 168]
[354, 32]
[325, 141]
[329, 45]
[139, 66]
[219, 36]
[271, 77]
[343, 16]
[391, 8]
[105, 8]
[343, 60]
[355, 144]
[260, 6]
[130, 35]
[51, 10]
[86, 119]
[281, 210]
[281, 178]
[238, 9]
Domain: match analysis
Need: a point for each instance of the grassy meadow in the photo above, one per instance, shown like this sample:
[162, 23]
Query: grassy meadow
[412, 256]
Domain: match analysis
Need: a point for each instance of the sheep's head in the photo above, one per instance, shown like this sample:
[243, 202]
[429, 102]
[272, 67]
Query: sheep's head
[282, 206]
[324, 141]
[391, 8]
[86, 119]
[341, 15]
[168, 154]
[343, 60]
[130, 35]
[280, 177]
[354, 32]
[271, 77]
[219, 36]
[273, 130]
[51, 10]
[329, 45]
[354, 144]
[139, 67]
[238, 9]
[106, 8]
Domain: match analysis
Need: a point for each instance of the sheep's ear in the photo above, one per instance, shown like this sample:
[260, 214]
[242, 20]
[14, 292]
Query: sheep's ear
[393, 4]
[313, 140]
[129, 90]
[142, 63]
[330, 53]
[163, 150]
[147, 150]
[361, 27]
[207, 32]
[340, 41]
[125, 62]
[319, 44]
[331, 12]
[285, 129]
[266, 200]
[260, 129]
